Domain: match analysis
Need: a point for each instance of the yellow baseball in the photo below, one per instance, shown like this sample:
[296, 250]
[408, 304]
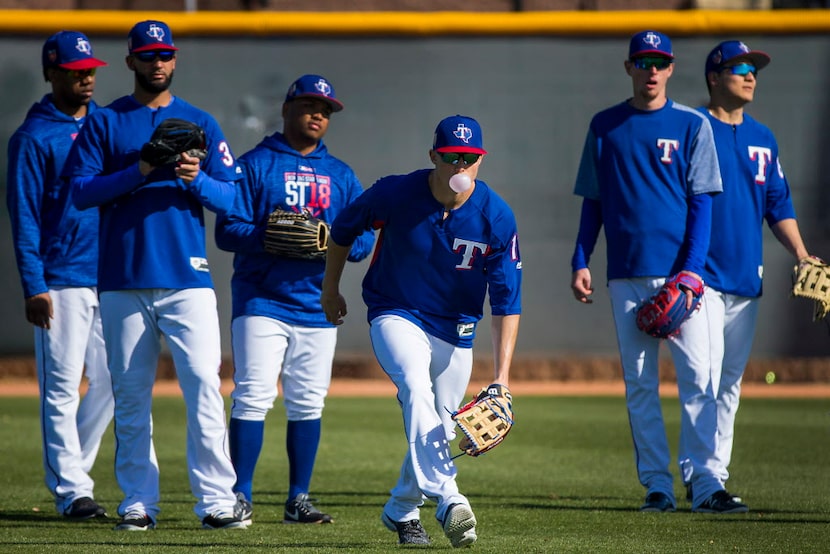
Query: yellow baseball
[770, 377]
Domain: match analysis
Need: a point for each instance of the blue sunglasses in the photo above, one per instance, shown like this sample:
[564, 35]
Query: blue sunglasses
[742, 69]
[151, 55]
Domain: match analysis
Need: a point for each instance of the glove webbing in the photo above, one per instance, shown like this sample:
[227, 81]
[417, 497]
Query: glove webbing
[488, 417]
[813, 282]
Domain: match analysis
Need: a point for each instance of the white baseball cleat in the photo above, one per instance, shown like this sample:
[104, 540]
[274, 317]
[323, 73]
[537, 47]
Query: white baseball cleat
[460, 525]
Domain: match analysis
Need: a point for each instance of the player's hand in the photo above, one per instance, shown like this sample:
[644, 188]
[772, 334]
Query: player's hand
[144, 168]
[39, 310]
[334, 306]
[690, 296]
[581, 285]
[804, 260]
[188, 168]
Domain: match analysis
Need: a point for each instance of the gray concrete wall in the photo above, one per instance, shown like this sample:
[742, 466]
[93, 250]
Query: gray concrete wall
[534, 97]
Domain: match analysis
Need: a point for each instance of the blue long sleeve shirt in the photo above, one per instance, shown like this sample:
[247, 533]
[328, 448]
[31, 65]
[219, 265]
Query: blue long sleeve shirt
[55, 243]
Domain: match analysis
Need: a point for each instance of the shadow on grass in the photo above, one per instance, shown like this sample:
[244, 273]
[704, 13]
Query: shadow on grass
[245, 546]
[40, 517]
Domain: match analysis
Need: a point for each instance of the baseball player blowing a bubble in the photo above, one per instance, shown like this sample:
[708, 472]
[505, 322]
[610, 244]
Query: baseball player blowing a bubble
[446, 240]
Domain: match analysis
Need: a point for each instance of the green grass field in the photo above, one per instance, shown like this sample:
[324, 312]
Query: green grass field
[563, 481]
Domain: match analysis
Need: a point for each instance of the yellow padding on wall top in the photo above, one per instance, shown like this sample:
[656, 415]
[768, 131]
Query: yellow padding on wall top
[555, 23]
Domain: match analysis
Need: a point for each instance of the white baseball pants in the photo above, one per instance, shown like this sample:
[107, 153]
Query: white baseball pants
[639, 355]
[134, 322]
[732, 321]
[71, 427]
[265, 351]
[431, 376]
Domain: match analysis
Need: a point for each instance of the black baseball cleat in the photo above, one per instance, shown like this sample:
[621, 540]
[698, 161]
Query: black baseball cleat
[223, 521]
[658, 502]
[300, 510]
[721, 502]
[135, 521]
[690, 495]
[736, 497]
[84, 508]
[409, 532]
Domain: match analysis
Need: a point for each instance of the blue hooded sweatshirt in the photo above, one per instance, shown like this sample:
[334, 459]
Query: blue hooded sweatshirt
[276, 175]
[55, 243]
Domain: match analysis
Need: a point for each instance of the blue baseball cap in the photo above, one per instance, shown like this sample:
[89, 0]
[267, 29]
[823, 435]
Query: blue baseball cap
[150, 35]
[732, 50]
[69, 50]
[314, 86]
[647, 43]
[458, 134]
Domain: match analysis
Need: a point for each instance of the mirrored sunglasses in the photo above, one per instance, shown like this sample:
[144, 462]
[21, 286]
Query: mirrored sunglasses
[455, 158]
[78, 74]
[647, 62]
[151, 55]
[742, 69]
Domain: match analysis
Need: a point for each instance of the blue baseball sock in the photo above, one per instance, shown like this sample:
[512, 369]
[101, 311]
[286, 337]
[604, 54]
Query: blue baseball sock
[245, 446]
[301, 441]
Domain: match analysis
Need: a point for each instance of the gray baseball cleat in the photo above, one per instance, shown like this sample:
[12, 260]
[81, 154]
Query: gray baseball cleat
[409, 532]
[244, 509]
[460, 525]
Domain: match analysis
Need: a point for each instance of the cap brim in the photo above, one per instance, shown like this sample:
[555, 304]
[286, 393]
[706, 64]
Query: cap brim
[461, 150]
[150, 47]
[651, 53]
[335, 104]
[759, 59]
[88, 63]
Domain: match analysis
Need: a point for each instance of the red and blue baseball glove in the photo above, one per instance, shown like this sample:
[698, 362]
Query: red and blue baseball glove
[662, 315]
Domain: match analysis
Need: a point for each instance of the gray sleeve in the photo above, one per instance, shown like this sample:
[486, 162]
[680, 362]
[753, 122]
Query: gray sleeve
[704, 172]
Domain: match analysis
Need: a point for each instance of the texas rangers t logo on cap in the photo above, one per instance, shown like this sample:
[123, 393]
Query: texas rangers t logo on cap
[458, 133]
[155, 32]
[70, 50]
[463, 133]
[735, 50]
[647, 43]
[323, 87]
[652, 39]
[150, 35]
[83, 46]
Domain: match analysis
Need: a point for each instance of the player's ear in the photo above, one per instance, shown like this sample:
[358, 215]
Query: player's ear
[130, 61]
[433, 157]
